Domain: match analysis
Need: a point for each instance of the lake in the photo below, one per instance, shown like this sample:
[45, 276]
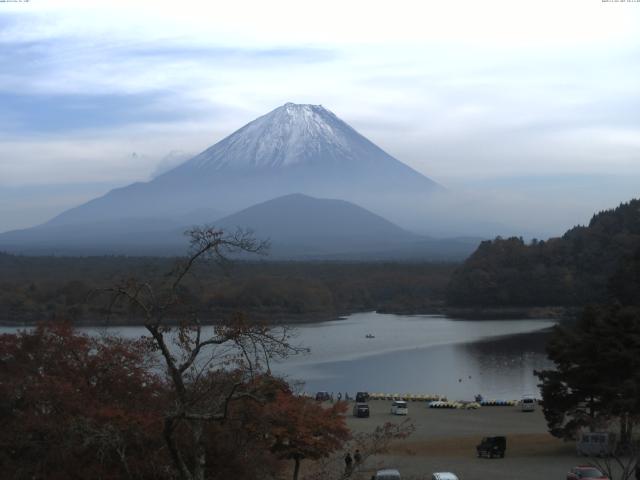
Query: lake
[413, 354]
[421, 354]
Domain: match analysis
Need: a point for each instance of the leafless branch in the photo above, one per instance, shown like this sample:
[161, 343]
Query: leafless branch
[199, 398]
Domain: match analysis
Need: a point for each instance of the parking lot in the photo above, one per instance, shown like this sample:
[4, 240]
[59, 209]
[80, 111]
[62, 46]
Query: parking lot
[445, 440]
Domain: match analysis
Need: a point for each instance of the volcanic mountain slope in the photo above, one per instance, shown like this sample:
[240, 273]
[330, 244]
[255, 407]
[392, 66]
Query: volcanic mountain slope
[297, 227]
[294, 148]
[303, 227]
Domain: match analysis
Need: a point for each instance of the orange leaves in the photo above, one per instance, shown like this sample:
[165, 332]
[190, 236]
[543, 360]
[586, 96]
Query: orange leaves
[66, 396]
[303, 428]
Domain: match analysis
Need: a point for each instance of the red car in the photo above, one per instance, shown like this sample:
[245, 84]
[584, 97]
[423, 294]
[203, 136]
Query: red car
[586, 471]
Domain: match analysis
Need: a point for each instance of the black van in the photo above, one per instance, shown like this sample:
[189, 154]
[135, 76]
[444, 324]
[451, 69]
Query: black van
[361, 410]
[492, 447]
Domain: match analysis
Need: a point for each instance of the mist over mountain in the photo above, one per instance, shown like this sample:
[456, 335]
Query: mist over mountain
[297, 227]
[294, 148]
[302, 219]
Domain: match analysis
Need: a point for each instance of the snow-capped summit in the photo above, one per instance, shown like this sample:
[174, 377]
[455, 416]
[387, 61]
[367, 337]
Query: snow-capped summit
[292, 149]
[289, 135]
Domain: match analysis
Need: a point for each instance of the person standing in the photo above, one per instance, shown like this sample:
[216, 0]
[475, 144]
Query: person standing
[357, 458]
[348, 463]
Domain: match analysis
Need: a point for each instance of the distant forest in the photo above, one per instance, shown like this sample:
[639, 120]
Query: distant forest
[36, 289]
[582, 267]
[576, 269]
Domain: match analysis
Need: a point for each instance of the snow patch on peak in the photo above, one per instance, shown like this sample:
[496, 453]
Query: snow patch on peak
[290, 106]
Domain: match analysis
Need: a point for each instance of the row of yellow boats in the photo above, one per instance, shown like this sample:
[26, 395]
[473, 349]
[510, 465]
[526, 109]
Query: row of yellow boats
[408, 397]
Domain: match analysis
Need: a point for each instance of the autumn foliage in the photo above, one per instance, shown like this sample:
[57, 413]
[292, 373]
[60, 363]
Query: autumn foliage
[185, 402]
[75, 407]
[72, 406]
[304, 429]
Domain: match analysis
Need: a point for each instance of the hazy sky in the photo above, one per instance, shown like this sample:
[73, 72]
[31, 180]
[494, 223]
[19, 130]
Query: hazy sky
[530, 105]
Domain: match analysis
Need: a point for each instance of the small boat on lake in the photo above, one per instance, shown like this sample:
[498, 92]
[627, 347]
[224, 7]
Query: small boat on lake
[368, 335]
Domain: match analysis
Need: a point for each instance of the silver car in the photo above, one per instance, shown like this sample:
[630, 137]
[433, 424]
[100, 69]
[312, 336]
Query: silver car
[387, 474]
[444, 476]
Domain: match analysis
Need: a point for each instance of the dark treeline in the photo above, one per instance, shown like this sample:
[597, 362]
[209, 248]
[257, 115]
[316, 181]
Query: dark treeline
[572, 270]
[594, 383]
[182, 402]
[34, 289]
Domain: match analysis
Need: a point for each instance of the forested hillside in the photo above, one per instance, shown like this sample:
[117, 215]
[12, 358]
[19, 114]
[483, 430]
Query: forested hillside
[572, 270]
[43, 288]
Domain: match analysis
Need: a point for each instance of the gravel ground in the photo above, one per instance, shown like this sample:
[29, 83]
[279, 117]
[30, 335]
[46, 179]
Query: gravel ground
[445, 440]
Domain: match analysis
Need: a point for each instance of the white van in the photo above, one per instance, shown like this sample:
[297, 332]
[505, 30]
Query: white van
[528, 404]
[387, 474]
[601, 444]
[444, 476]
[399, 407]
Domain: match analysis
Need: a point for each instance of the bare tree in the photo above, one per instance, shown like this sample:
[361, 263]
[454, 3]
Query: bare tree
[369, 445]
[620, 464]
[208, 368]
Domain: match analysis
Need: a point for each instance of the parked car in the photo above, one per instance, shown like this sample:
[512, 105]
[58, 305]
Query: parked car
[444, 476]
[362, 397]
[323, 396]
[491, 447]
[399, 407]
[600, 444]
[386, 474]
[586, 471]
[528, 404]
[361, 410]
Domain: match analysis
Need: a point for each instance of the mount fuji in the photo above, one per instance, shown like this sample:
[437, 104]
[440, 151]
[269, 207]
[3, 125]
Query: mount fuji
[294, 149]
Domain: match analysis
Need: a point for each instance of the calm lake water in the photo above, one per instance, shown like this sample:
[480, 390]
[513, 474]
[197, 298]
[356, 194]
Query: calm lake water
[421, 354]
[413, 354]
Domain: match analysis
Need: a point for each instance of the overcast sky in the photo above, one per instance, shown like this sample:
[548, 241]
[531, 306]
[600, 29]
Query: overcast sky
[523, 102]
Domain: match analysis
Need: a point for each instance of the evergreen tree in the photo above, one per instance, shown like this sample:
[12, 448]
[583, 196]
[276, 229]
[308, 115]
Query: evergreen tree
[597, 374]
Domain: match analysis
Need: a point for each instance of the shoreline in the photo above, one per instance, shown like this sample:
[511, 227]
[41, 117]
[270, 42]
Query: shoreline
[511, 313]
[278, 319]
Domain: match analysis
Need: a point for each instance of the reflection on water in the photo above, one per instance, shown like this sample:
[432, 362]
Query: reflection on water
[424, 354]
[411, 354]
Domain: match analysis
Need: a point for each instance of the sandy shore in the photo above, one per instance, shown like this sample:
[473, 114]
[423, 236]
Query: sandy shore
[445, 440]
